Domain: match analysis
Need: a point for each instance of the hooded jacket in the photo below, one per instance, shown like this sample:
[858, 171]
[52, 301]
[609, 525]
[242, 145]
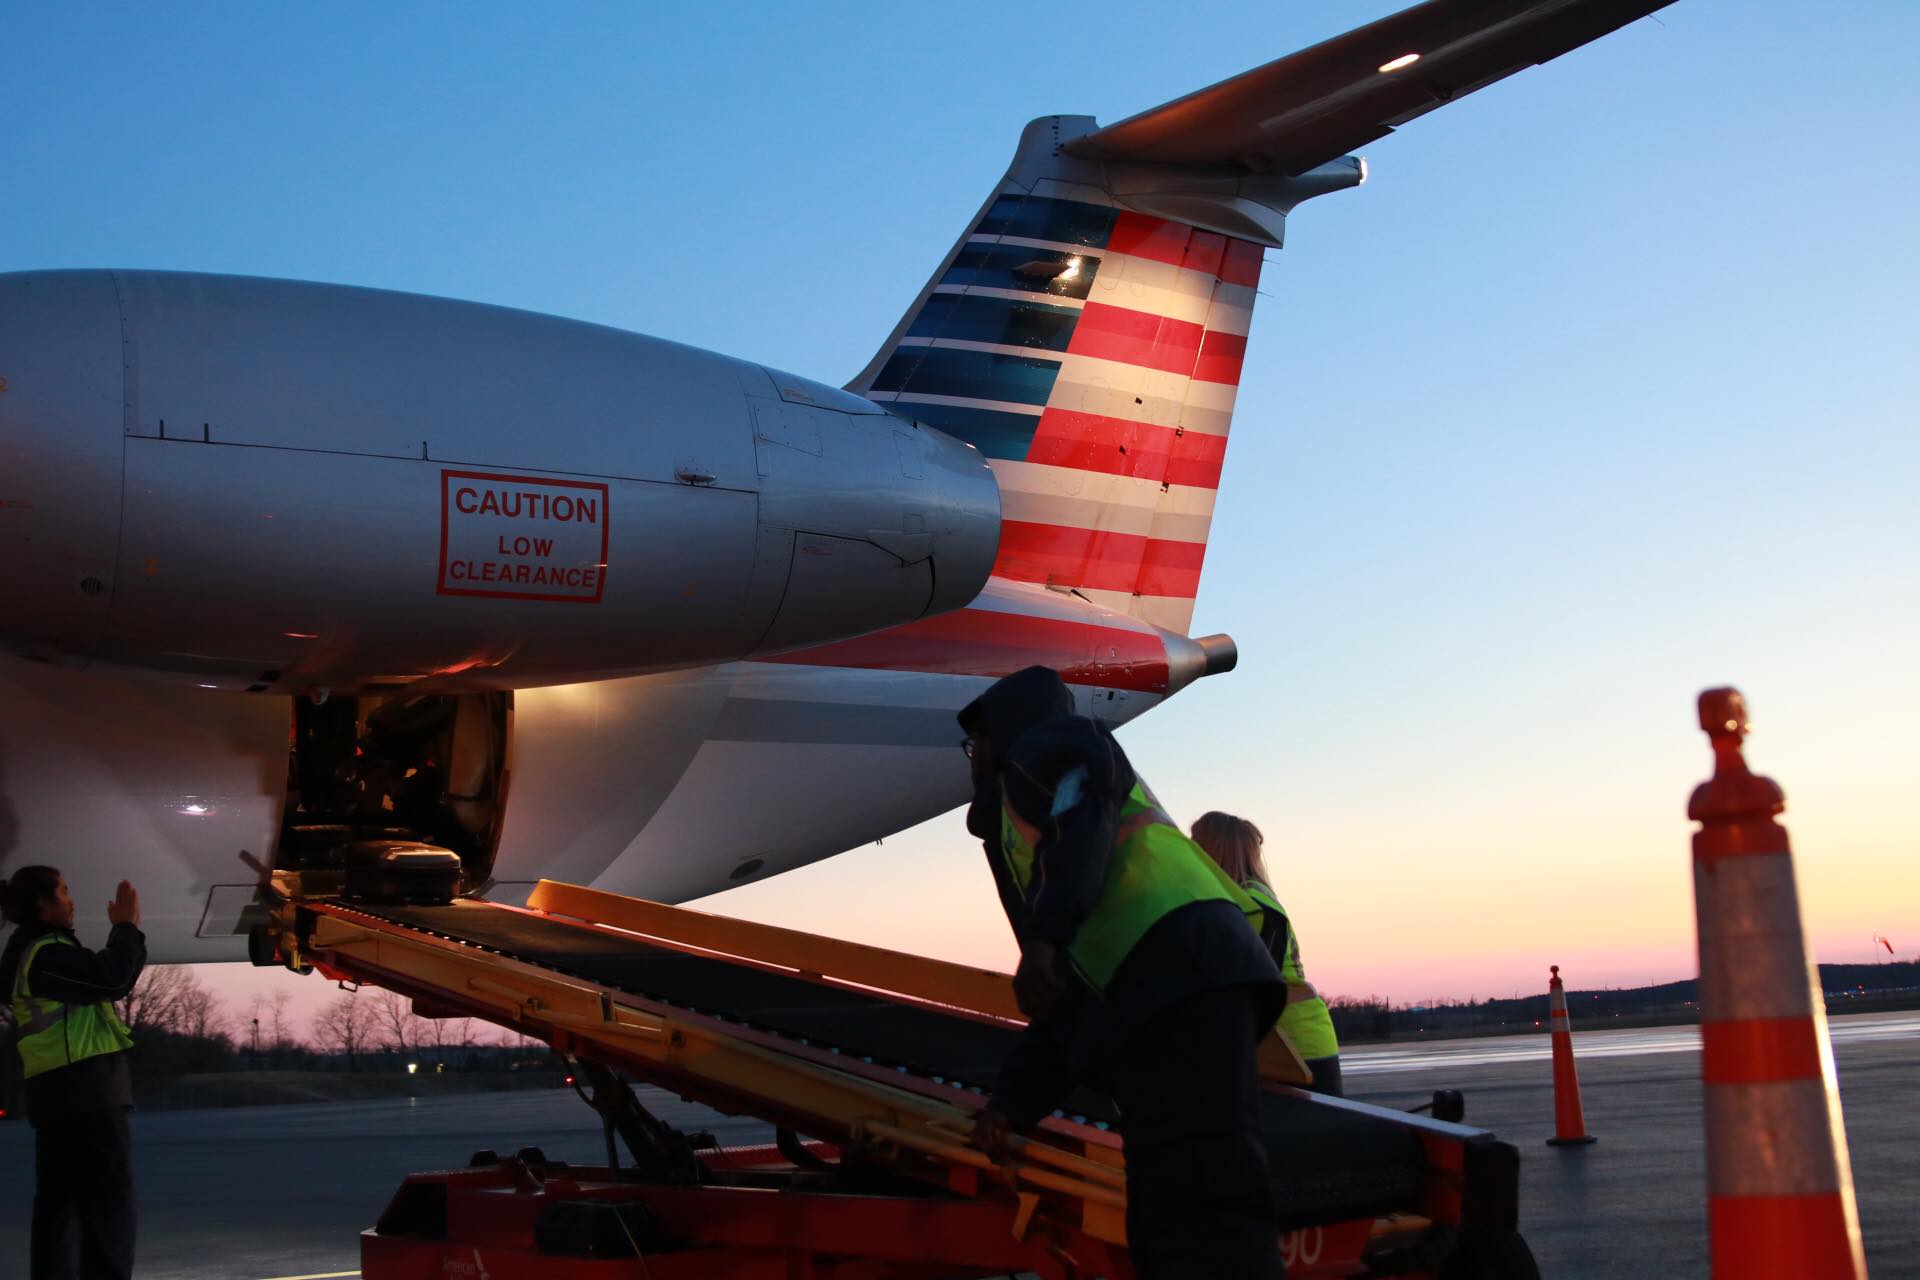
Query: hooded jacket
[1067, 776]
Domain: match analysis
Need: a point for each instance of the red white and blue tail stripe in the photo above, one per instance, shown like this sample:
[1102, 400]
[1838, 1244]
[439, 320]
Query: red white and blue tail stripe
[1093, 354]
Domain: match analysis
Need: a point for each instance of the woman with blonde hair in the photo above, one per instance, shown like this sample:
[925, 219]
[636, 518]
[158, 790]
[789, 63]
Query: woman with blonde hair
[1235, 844]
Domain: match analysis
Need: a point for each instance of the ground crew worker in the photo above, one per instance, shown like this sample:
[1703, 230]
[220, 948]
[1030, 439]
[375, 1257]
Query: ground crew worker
[1140, 974]
[1235, 844]
[79, 1088]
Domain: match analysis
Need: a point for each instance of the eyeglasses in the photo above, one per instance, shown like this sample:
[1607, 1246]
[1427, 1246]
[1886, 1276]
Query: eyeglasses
[970, 746]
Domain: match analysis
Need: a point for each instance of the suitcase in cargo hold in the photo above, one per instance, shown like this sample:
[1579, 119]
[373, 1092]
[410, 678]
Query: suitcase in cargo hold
[401, 871]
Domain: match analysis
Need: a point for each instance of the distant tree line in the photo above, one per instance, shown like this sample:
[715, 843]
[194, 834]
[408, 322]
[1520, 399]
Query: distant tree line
[180, 1027]
[1360, 1018]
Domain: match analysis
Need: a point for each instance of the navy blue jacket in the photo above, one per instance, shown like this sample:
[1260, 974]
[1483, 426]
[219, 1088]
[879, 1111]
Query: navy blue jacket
[75, 975]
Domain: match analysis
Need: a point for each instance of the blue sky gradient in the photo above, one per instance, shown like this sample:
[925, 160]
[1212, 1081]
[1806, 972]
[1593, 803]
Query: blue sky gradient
[1603, 389]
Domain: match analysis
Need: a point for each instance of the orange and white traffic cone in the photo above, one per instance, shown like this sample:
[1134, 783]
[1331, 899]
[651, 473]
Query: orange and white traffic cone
[1779, 1184]
[1569, 1122]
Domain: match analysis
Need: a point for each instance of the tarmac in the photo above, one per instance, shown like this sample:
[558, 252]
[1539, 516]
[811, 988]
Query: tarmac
[1634, 1203]
[275, 1193]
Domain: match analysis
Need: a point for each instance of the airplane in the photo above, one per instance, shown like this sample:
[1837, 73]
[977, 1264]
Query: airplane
[291, 567]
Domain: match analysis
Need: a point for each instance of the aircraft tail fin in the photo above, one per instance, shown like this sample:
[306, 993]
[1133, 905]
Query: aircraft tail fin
[1087, 334]
[1088, 329]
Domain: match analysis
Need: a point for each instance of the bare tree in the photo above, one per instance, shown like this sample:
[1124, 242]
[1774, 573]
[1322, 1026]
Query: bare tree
[282, 1027]
[508, 1038]
[248, 1026]
[396, 1026]
[345, 1024]
[154, 1000]
[171, 997]
[451, 1033]
[267, 1028]
[200, 1013]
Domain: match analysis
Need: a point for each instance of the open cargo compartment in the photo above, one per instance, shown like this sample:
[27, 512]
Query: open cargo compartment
[421, 770]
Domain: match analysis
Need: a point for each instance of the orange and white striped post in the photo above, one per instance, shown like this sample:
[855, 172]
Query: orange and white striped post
[1569, 1121]
[1779, 1184]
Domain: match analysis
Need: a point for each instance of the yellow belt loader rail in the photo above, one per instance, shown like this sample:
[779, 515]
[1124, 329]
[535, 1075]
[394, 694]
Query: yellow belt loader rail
[881, 1059]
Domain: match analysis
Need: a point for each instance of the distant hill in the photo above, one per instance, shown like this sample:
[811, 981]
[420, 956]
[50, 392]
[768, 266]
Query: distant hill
[1848, 988]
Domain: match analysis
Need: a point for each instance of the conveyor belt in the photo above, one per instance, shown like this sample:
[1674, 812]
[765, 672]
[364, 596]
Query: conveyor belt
[1329, 1163]
[927, 1042]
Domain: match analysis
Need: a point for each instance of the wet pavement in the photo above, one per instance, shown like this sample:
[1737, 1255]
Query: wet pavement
[260, 1192]
[1633, 1205]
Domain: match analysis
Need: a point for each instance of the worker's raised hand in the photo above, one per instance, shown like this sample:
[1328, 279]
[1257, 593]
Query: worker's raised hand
[992, 1133]
[1037, 986]
[125, 907]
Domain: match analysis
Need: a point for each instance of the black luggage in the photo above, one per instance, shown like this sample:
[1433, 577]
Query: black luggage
[401, 871]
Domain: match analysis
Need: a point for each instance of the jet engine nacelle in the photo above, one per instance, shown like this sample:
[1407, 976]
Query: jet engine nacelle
[254, 483]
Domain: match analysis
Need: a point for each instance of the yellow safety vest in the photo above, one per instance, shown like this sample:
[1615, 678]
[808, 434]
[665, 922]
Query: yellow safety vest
[1155, 869]
[55, 1034]
[1306, 1020]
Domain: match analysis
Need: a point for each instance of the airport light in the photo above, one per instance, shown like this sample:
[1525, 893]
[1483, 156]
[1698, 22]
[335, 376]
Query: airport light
[1404, 60]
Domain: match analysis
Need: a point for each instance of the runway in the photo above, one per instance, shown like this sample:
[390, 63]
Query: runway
[1633, 1205]
[1370, 1060]
[275, 1192]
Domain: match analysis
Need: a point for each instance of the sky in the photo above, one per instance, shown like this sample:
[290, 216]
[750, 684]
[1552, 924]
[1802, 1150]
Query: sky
[1601, 391]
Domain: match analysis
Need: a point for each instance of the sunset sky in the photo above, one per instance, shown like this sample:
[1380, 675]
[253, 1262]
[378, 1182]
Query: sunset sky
[1601, 391]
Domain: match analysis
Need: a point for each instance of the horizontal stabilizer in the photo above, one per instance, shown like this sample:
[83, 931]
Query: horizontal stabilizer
[1316, 105]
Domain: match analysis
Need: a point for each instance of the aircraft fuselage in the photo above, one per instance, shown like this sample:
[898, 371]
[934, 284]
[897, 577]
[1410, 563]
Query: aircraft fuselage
[268, 485]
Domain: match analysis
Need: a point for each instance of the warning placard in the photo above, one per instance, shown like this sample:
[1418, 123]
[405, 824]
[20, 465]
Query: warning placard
[522, 537]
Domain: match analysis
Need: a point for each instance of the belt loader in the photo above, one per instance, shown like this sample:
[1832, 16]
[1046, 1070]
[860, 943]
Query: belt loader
[870, 1065]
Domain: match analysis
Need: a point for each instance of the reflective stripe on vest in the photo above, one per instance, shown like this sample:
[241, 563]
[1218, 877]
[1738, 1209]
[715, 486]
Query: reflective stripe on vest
[1306, 1020]
[56, 1034]
[1154, 870]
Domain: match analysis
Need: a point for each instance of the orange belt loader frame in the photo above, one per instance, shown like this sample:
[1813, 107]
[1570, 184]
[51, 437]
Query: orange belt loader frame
[888, 1189]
